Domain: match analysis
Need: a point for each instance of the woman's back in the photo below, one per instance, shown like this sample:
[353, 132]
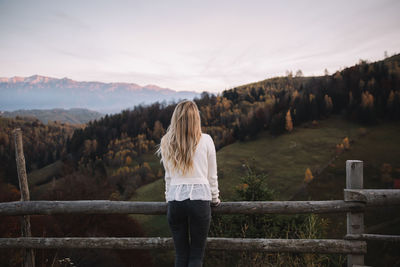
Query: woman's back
[201, 163]
[202, 182]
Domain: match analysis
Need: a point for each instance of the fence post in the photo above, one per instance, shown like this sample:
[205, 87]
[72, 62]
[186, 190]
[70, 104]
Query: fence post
[355, 220]
[28, 254]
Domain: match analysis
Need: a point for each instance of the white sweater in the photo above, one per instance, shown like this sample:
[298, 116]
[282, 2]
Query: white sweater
[202, 182]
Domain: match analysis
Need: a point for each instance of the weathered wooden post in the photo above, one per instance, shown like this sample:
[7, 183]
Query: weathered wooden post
[28, 254]
[355, 220]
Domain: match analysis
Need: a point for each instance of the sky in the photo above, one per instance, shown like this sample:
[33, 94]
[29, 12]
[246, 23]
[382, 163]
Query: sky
[192, 45]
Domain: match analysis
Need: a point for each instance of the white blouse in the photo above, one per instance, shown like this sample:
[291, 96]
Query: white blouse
[202, 182]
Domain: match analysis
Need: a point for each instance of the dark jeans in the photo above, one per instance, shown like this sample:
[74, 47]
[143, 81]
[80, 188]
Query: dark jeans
[189, 219]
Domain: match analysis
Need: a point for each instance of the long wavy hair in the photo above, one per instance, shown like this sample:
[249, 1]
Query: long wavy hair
[178, 145]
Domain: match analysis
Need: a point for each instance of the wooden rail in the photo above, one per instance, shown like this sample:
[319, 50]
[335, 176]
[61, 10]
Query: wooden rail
[356, 199]
[129, 207]
[376, 237]
[373, 197]
[324, 246]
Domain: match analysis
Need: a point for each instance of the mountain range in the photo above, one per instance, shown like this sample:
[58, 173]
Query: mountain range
[71, 116]
[41, 92]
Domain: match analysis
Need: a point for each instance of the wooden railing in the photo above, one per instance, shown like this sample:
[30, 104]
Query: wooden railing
[354, 204]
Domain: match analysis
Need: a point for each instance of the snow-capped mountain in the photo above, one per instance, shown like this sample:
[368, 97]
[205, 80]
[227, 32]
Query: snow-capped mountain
[40, 92]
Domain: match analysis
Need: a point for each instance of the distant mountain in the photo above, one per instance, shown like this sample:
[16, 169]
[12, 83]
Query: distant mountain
[40, 92]
[72, 116]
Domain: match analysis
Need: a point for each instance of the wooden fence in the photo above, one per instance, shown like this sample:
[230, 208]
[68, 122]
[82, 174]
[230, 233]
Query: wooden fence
[356, 199]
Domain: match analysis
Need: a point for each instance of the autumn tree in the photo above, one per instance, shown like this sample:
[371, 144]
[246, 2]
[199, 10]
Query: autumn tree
[158, 130]
[294, 96]
[367, 100]
[346, 143]
[128, 161]
[289, 122]
[339, 148]
[393, 105]
[366, 112]
[390, 99]
[313, 106]
[308, 176]
[328, 104]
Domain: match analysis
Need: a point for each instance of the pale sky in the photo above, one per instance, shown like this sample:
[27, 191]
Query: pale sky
[192, 45]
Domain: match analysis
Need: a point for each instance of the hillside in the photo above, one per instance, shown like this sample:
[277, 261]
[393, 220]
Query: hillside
[43, 144]
[379, 147]
[284, 159]
[40, 92]
[71, 116]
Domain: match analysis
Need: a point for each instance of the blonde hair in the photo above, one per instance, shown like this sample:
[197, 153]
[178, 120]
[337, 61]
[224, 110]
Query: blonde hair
[179, 143]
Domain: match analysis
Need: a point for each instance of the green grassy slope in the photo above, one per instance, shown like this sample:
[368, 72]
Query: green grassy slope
[380, 145]
[154, 225]
[41, 180]
[284, 158]
[44, 174]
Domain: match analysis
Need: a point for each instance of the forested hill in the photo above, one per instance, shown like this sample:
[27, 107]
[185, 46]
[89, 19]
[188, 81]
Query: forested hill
[366, 92]
[43, 144]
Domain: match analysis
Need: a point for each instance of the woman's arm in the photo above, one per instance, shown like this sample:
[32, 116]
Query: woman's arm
[212, 171]
[167, 182]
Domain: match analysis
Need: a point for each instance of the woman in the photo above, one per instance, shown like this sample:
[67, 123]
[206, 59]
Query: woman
[191, 183]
